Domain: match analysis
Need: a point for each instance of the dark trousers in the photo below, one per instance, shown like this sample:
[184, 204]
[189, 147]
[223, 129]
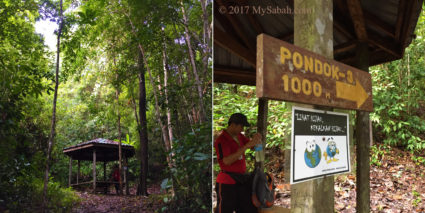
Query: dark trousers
[117, 188]
[234, 197]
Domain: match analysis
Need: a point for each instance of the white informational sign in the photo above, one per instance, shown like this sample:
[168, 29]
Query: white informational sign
[320, 144]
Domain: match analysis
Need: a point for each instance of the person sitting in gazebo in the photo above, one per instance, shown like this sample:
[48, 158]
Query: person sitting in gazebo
[116, 178]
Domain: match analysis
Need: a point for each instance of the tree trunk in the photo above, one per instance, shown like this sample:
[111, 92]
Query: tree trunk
[165, 65]
[207, 36]
[192, 61]
[185, 102]
[53, 124]
[117, 93]
[143, 131]
[155, 92]
[408, 84]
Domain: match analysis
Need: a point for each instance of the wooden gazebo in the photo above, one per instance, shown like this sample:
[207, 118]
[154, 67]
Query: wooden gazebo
[99, 149]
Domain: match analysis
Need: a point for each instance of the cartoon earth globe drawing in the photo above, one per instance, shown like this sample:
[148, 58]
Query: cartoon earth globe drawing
[312, 154]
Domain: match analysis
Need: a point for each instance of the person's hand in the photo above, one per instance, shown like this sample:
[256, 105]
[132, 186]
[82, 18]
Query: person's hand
[256, 139]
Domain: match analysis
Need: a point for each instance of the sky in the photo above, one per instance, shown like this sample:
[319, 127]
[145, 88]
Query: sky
[46, 28]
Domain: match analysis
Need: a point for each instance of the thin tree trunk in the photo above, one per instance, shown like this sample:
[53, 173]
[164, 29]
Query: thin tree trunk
[143, 131]
[44, 207]
[207, 36]
[192, 61]
[155, 92]
[165, 65]
[408, 84]
[189, 116]
[117, 93]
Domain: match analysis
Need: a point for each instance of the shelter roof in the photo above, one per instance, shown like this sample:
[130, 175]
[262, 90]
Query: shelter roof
[106, 150]
[388, 27]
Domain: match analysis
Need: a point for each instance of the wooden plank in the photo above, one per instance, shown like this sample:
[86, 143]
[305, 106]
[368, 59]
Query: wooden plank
[232, 45]
[290, 73]
[356, 13]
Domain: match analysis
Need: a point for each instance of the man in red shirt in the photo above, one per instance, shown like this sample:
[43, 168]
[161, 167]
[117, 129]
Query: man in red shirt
[116, 178]
[230, 146]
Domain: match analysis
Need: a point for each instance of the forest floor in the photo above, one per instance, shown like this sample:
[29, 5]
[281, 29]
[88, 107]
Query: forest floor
[111, 203]
[397, 185]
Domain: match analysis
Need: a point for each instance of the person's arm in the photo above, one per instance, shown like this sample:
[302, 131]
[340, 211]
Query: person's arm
[256, 139]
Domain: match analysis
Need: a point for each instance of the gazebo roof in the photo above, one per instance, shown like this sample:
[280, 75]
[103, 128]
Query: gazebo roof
[387, 26]
[106, 150]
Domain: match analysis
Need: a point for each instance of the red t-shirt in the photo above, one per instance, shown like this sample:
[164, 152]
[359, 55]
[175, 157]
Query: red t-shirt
[224, 146]
[116, 175]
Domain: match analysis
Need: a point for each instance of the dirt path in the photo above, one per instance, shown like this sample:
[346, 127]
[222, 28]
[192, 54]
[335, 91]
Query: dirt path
[397, 185]
[111, 203]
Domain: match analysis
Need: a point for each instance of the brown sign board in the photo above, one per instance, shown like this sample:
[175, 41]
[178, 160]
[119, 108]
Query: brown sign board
[290, 73]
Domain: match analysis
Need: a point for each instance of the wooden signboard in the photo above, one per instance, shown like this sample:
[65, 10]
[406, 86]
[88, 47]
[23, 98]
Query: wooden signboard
[287, 72]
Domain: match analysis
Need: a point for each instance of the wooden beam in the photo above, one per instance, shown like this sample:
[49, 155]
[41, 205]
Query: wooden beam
[387, 44]
[234, 75]
[390, 46]
[78, 172]
[379, 24]
[356, 13]
[407, 24]
[127, 191]
[70, 172]
[347, 46]
[233, 46]
[94, 170]
[400, 15]
[263, 109]
[287, 37]
[237, 26]
[104, 170]
[362, 141]
[342, 25]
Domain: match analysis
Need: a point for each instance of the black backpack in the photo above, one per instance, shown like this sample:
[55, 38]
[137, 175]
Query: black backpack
[263, 189]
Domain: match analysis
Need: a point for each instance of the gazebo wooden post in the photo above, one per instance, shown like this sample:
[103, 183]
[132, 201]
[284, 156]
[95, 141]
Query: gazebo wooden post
[362, 143]
[127, 192]
[263, 108]
[104, 170]
[78, 172]
[70, 172]
[94, 170]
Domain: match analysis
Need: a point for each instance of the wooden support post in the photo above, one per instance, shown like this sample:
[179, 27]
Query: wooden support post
[314, 31]
[104, 170]
[127, 191]
[94, 170]
[362, 141]
[263, 108]
[70, 172]
[78, 172]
